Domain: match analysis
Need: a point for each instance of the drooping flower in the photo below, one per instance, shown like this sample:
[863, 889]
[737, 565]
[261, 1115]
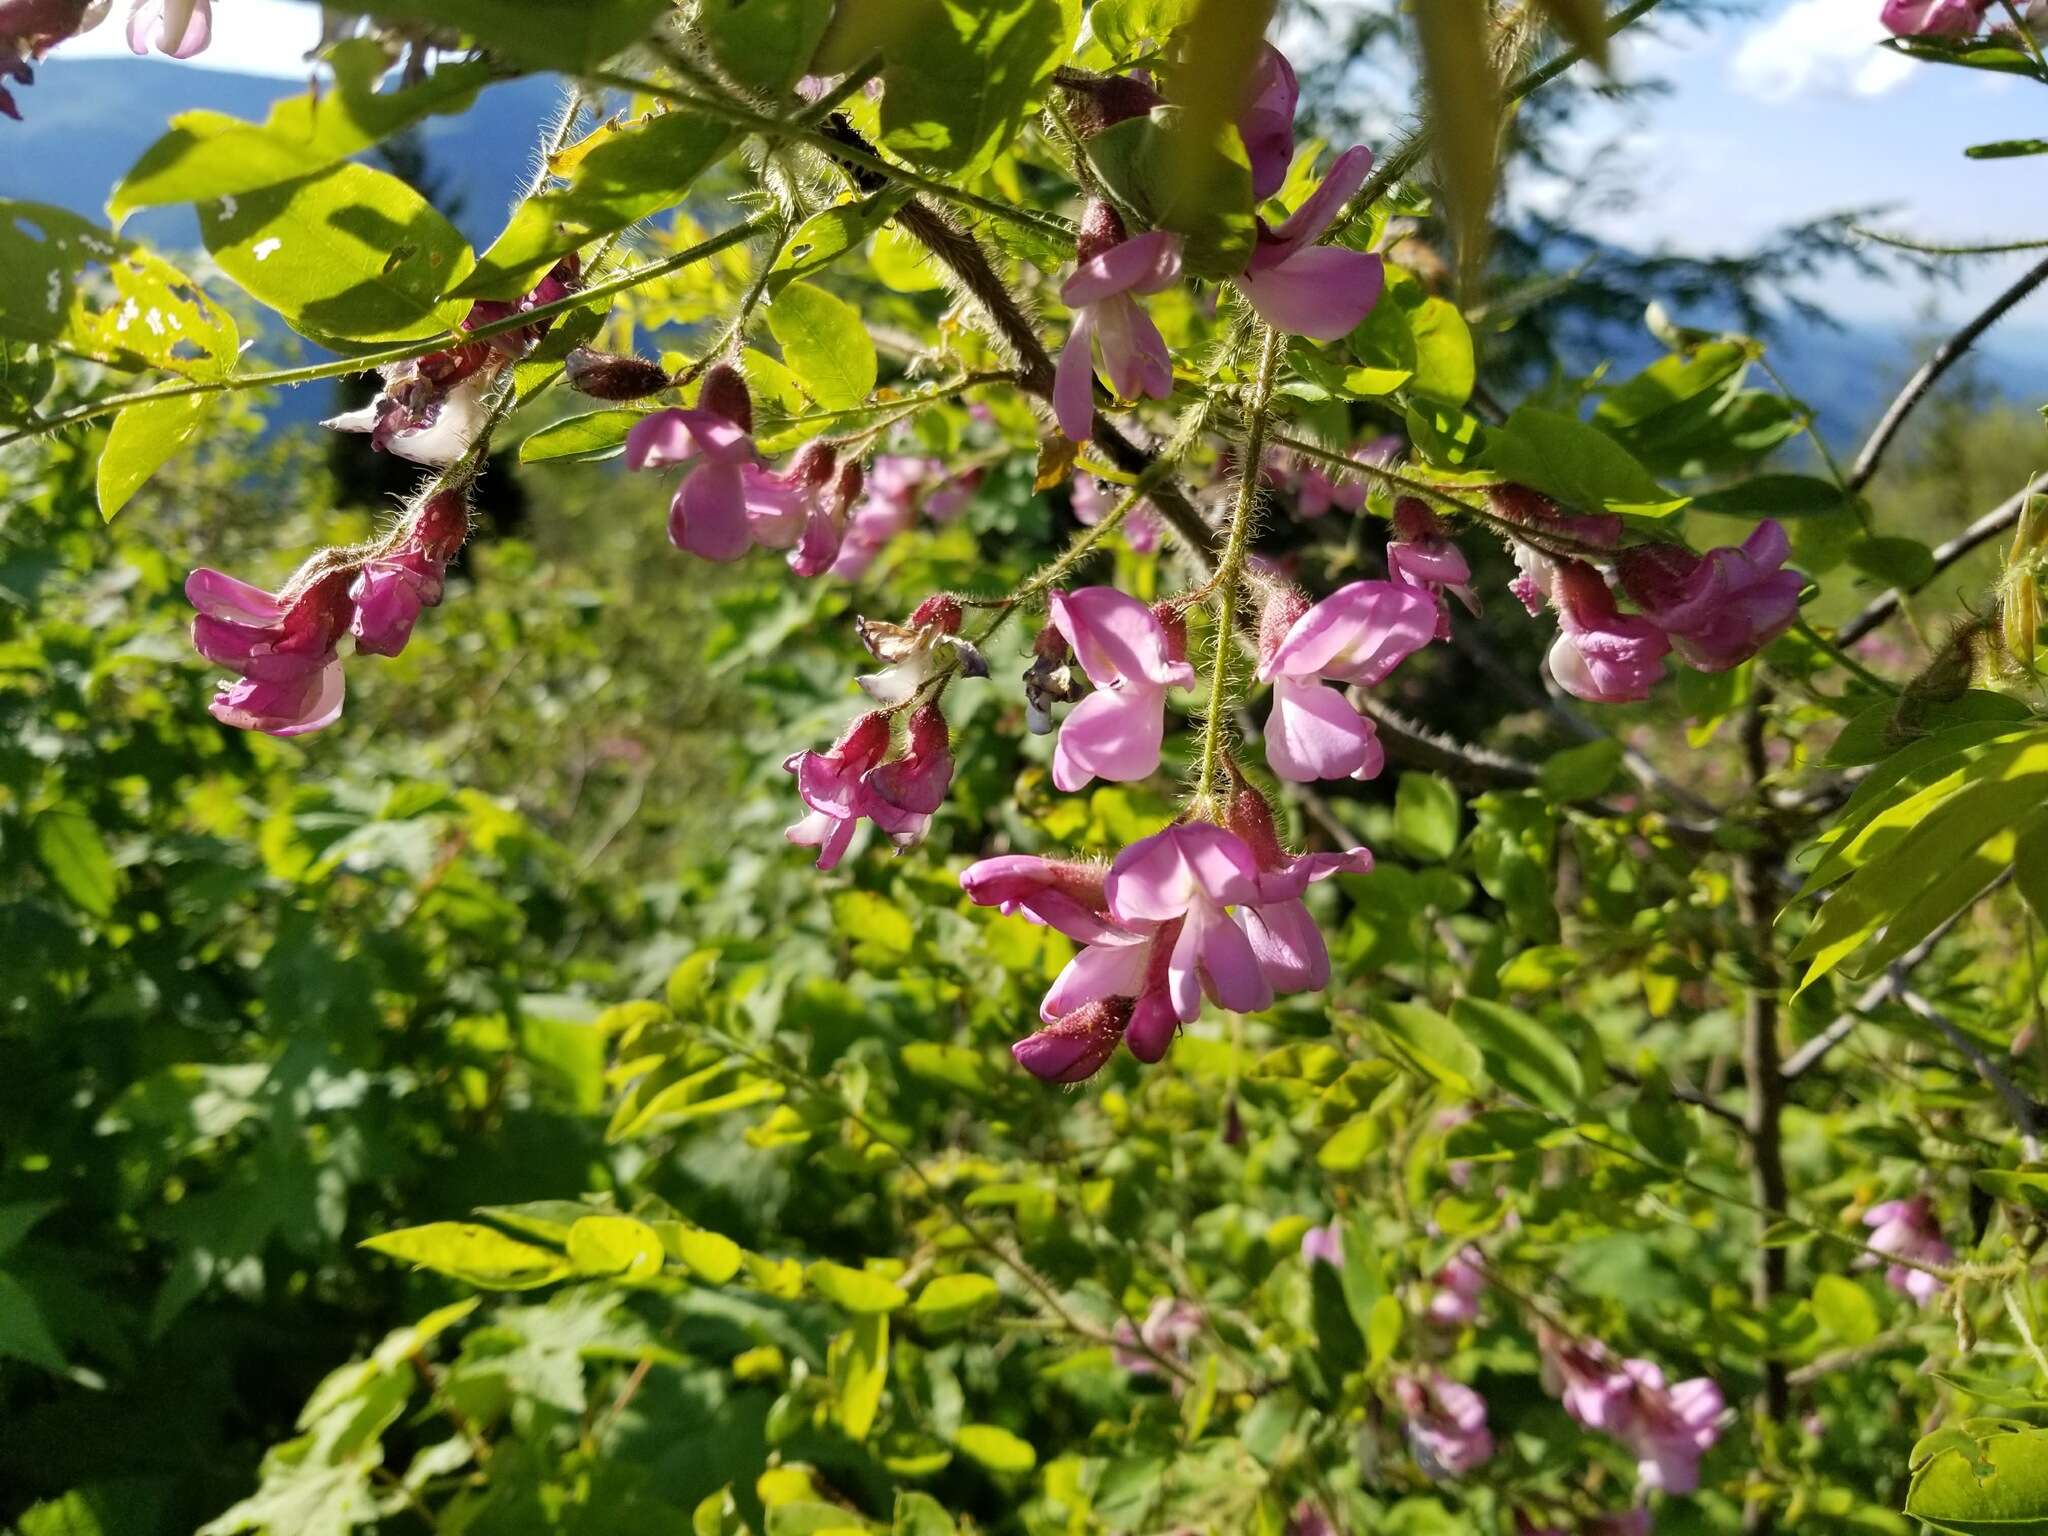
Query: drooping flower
[31, 28]
[180, 28]
[1459, 1284]
[1355, 636]
[832, 786]
[1323, 1245]
[1053, 893]
[1132, 658]
[1933, 18]
[714, 438]
[1719, 608]
[1446, 1424]
[289, 678]
[1667, 1428]
[1266, 121]
[1111, 269]
[905, 792]
[1284, 936]
[1601, 655]
[431, 409]
[1093, 501]
[1422, 555]
[896, 489]
[912, 650]
[1906, 1229]
[1075, 1047]
[391, 589]
[1305, 289]
[1192, 875]
[1169, 1330]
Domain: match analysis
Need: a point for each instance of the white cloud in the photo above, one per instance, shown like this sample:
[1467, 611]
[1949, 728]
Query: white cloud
[1817, 47]
[250, 37]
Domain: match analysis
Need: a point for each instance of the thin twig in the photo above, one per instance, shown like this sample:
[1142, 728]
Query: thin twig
[1981, 532]
[2026, 1113]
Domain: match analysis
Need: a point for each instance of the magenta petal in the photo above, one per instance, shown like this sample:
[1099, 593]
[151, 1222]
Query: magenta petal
[1320, 209]
[1267, 122]
[1117, 639]
[221, 596]
[659, 440]
[1320, 292]
[1073, 383]
[1314, 733]
[709, 514]
[1142, 264]
[1152, 1027]
[1114, 733]
[1134, 354]
[1289, 946]
[1223, 956]
[1097, 972]
[1358, 634]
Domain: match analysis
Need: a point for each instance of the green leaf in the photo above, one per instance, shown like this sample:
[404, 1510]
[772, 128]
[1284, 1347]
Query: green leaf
[24, 1335]
[825, 345]
[156, 317]
[1660, 1122]
[2022, 1186]
[1383, 1331]
[1431, 1044]
[1465, 103]
[69, 848]
[1845, 1309]
[765, 45]
[585, 439]
[635, 173]
[1497, 1134]
[142, 440]
[2007, 149]
[1897, 562]
[1522, 1054]
[1445, 368]
[710, 1256]
[828, 235]
[1774, 496]
[1426, 815]
[1577, 465]
[540, 34]
[1581, 772]
[857, 1364]
[919, 1514]
[1202, 191]
[2030, 871]
[1356, 1141]
[689, 984]
[476, 1255]
[209, 154]
[957, 85]
[615, 1246]
[350, 255]
[953, 1300]
[996, 1448]
[1116, 31]
[1994, 51]
[44, 251]
[855, 1290]
[1999, 1484]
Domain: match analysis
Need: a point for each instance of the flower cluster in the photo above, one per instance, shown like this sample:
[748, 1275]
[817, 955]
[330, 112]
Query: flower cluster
[1716, 610]
[857, 777]
[1195, 911]
[1447, 1430]
[1933, 18]
[284, 646]
[1666, 1428]
[431, 409]
[1907, 1230]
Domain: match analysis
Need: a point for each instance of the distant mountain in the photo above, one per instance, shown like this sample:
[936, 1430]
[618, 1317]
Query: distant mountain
[88, 120]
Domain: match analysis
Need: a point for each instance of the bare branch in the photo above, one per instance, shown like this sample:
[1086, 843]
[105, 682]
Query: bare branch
[1982, 531]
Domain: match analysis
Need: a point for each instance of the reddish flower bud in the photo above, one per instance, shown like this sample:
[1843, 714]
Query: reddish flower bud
[725, 391]
[1101, 230]
[1096, 102]
[1251, 818]
[1283, 606]
[852, 481]
[1173, 621]
[814, 466]
[607, 376]
[1414, 521]
[1074, 1048]
[940, 611]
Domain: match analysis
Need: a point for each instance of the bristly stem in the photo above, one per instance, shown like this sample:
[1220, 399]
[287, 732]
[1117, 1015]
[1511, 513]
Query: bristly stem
[1230, 568]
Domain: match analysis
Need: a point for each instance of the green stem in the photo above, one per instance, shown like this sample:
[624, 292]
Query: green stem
[107, 405]
[1230, 568]
[1843, 658]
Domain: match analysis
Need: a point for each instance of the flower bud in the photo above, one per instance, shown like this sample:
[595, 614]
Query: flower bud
[1173, 623]
[1101, 230]
[852, 481]
[725, 391]
[1251, 817]
[1414, 521]
[940, 611]
[1074, 1048]
[813, 467]
[1284, 605]
[607, 376]
[1096, 102]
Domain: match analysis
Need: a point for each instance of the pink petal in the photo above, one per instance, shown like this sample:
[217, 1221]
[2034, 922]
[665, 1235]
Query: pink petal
[1216, 952]
[1073, 383]
[1267, 122]
[1320, 292]
[1114, 733]
[1152, 1027]
[1098, 971]
[1320, 209]
[1289, 946]
[709, 514]
[188, 35]
[1358, 634]
[221, 596]
[659, 440]
[1117, 639]
[1134, 354]
[1314, 733]
[1142, 264]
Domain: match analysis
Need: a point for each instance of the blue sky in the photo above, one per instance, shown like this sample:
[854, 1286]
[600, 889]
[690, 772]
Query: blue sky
[1775, 117]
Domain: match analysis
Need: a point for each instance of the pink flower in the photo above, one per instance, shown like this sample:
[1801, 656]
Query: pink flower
[1305, 289]
[1667, 1429]
[1110, 271]
[1356, 635]
[709, 514]
[1601, 655]
[1906, 1229]
[1053, 893]
[179, 28]
[1169, 1330]
[1132, 659]
[1093, 501]
[903, 794]
[897, 487]
[290, 679]
[1289, 945]
[1719, 608]
[1310, 1519]
[391, 589]
[1446, 1424]
[31, 28]
[1421, 556]
[1933, 18]
[832, 787]
[1323, 1245]
[1266, 121]
[1075, 1047]
[1459, 1285]
[1193, 874]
